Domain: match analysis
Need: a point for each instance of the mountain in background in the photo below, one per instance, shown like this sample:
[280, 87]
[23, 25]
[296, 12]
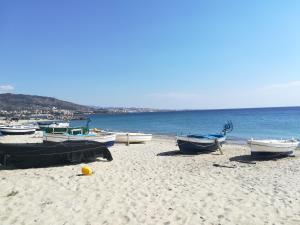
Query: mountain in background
[16, 102]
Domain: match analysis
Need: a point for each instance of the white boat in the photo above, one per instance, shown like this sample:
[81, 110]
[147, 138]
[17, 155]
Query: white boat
[17, 130]
[106, 138]
[272, 148]
[54, 127]
[31, 125]
[133, 137]
[53, 124]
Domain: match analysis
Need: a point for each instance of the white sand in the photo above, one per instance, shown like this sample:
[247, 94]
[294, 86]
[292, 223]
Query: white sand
[37, 137]
[139, 187]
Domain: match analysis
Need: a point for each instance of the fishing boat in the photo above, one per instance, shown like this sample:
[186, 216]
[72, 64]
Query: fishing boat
[133, 137]
[80, 133]
[51, 153]
[194, 144]
[17, 130]
[272, 148]
[108, 139]
[58, 127]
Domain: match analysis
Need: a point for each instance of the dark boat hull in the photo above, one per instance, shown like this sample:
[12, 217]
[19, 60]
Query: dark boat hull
[189, 147]
[47, 154]
[270, 155]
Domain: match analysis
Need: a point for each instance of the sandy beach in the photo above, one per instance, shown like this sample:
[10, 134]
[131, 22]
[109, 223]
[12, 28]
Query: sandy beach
[152, 184]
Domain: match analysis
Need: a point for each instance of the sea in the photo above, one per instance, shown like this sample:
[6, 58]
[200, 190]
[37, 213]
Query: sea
[248, 123]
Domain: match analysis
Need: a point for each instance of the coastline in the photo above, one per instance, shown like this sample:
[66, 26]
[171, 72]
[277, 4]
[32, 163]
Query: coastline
[268, 123]
[152, 184]
[229, 140]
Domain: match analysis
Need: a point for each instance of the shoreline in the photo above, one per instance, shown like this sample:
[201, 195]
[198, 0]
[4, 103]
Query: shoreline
[231, 141]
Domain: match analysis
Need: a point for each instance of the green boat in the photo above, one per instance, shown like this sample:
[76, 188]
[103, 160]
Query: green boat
[66, 130]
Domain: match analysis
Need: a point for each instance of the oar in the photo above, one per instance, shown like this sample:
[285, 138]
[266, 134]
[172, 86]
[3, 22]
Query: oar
[219, 146]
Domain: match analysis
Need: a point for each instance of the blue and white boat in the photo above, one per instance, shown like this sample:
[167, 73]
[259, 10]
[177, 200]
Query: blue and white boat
[17, 130]
[194, 144]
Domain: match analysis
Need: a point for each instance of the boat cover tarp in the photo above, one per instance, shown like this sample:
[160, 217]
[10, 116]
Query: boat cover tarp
[51, 153]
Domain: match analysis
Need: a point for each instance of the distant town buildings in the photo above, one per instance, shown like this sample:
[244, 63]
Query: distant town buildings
[63, 114]
[43, 114]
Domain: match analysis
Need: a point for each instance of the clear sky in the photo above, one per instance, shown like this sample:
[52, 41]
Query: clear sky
[159, 53]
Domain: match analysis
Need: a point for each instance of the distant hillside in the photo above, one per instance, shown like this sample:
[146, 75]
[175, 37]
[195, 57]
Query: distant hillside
[12, 102]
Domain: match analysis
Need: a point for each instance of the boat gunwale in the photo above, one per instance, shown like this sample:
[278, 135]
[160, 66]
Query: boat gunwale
[275, 145]
[201, 140]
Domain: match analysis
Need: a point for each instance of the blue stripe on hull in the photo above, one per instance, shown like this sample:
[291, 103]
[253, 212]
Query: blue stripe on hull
[270, 154]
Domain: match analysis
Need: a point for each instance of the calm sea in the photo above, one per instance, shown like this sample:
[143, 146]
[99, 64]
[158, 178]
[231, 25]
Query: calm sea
[256, 123]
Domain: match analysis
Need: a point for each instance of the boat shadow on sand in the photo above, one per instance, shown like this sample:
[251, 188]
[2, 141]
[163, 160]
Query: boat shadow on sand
[45, 166]
[240, 159]
[252, 160]
[177, 153]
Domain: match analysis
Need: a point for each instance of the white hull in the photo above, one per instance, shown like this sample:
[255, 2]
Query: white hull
[17, 130]
[102, 138]
[273, 146]
[133, 137]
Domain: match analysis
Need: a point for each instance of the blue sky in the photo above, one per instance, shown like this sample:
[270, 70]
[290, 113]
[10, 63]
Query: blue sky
[160, 54]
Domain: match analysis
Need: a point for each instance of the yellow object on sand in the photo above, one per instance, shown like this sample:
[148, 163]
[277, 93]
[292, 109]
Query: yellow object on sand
[86, 171]
[96, 130]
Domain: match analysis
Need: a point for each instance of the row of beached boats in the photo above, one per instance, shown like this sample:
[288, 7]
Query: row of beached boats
[55, 142]
[194, 144]
[56, 131]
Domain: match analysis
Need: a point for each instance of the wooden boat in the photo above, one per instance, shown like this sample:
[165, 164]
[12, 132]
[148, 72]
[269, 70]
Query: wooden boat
[58, 127]
[272, 148]
[200, 143]
[194, 144]
[51, 153]
[133, 137]
[79, 133]
[53, 123]
[17, 130]
[108, 139]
